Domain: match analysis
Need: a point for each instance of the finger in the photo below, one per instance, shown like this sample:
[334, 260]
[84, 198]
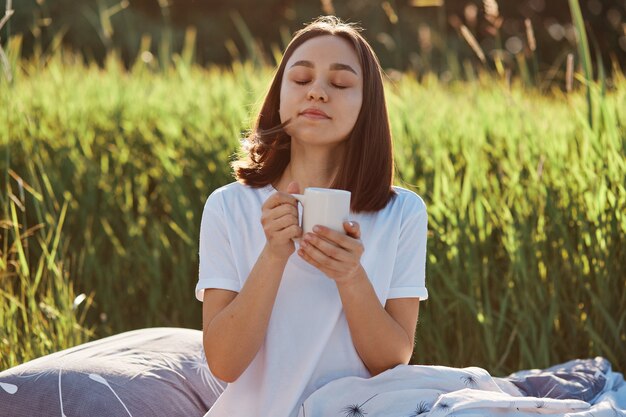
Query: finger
[329, 249]
[293, 188]
[283, 222]
[281, 210]
[269, 216]
[307, 257]
[279, 198]
[353, 229]
[291, 232]
[320, 257]
[344, 241]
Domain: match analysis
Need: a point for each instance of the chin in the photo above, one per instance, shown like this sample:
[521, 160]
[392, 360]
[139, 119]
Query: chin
[316, 140]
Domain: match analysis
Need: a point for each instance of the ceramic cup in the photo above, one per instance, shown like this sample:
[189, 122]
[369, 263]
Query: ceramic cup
[324, 206]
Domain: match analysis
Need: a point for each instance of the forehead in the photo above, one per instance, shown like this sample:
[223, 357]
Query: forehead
[326, 50]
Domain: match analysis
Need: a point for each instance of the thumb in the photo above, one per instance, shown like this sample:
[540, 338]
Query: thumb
[353, 229]
[293, 188]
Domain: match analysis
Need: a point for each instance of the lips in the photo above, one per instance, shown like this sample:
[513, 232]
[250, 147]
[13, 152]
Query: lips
[313, 113]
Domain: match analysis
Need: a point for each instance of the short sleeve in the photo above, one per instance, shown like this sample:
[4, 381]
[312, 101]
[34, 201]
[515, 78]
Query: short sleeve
[409, 271]
[217, 264]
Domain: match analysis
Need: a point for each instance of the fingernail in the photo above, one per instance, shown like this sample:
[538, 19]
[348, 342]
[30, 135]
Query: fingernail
[317, 229]
[351, 224]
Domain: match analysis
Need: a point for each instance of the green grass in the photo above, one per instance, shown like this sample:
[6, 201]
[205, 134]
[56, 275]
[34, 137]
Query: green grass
[526, 208]
[40, 311]
[526, 263]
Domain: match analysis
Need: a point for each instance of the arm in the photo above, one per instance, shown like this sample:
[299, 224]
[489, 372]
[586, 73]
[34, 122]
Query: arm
[383, 337]
[235, 324]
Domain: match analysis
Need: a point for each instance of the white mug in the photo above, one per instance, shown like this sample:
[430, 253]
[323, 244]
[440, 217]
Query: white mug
[324, 206]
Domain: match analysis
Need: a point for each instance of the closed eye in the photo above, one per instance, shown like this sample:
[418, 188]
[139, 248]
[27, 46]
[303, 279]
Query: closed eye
[340, 87]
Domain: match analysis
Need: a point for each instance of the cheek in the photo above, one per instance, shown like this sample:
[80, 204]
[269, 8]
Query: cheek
[353, 106]
[282, 100]
[286, 106]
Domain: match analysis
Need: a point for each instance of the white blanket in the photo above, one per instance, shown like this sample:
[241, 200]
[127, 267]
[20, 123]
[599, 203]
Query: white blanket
[416, 390]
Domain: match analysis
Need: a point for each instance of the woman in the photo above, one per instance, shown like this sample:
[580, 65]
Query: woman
[279, 323]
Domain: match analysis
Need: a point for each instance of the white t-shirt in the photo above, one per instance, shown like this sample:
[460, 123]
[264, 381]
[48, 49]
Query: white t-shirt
[308, 342]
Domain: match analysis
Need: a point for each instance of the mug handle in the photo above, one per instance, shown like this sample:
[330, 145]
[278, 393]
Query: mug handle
[300, 198]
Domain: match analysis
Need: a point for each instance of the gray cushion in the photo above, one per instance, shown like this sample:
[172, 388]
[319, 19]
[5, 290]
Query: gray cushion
[147, 372]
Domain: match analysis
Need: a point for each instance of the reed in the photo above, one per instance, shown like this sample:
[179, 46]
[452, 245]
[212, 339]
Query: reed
[583, 52]
[40, 311]
[526, 203]
[523, 245]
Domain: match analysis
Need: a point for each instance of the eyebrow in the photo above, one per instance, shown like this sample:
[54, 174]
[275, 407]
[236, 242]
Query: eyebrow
[333, 67]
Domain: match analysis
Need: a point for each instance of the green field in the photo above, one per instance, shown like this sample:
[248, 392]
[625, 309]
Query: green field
[107, 171]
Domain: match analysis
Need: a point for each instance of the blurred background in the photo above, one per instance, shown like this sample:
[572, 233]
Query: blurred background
[418, 35]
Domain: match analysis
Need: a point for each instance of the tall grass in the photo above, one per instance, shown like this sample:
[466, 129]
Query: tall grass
[40, 311]
[526, 202]
[583, 53]
[129, 172]
[527, 206]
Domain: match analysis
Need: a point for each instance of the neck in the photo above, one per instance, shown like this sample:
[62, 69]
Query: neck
[311, 167]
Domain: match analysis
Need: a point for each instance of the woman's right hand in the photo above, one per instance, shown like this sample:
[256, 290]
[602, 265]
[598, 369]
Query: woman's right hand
[280, 222]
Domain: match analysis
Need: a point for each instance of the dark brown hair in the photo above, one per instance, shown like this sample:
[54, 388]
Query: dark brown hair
[367, 168]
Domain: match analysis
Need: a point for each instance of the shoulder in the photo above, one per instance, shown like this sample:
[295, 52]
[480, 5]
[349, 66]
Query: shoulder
[233, 194]
[406, 202]
[234, 188]
[215, 200]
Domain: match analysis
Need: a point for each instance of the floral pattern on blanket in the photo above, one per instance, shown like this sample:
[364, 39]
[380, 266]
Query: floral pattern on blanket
[163, 372]
[412, 391]
[147, 372]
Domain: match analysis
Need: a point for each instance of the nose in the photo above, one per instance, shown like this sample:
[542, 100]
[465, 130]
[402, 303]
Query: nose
[316, 92]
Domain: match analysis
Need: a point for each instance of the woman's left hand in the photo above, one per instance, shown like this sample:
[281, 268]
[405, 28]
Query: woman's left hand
[336, 254]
